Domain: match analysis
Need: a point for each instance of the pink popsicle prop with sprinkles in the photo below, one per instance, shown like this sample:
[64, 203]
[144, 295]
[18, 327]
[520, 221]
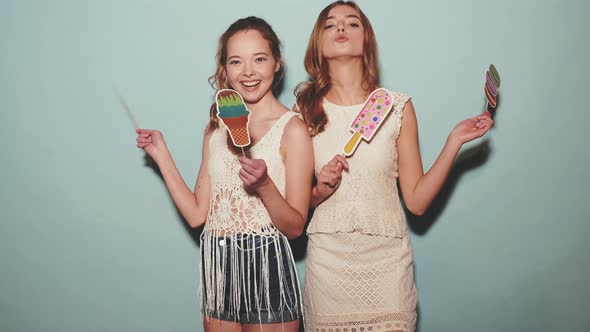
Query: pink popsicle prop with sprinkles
[371, 116]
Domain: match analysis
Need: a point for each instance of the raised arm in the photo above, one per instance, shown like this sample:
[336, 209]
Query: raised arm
[193, 206]
[418, 188]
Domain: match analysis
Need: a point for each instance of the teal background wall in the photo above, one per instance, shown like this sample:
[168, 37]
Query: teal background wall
[90, 241]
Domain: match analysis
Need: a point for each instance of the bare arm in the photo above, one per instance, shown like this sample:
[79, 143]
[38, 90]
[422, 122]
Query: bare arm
[420, 189]
[288, 214]
[328, 180]
[193, 206]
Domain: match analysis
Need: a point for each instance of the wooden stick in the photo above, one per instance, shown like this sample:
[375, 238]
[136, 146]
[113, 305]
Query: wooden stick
[123, 102]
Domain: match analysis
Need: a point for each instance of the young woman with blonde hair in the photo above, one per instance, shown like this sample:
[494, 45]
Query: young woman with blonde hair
[359, 266]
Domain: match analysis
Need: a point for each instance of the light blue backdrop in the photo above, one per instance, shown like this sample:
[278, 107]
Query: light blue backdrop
[89, 240]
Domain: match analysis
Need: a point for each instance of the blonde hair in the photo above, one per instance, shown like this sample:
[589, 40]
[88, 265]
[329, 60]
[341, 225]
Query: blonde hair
[310, 94]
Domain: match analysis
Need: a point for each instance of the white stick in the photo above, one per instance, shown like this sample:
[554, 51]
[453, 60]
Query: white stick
[126, 107]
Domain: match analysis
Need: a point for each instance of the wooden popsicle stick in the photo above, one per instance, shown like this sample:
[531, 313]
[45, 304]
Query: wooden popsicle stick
[352, 144]
[123, 102]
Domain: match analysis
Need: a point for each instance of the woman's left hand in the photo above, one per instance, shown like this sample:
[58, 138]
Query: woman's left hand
[253, 173]
[472, 128]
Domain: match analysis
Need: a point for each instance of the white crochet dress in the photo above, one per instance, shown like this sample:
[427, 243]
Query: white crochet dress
[359, 267]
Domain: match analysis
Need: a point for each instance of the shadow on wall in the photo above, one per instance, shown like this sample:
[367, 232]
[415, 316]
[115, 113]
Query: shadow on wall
[195, 233]
[467, 160]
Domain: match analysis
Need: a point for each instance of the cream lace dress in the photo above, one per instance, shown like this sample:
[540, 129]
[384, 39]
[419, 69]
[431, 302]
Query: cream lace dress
[237, 215]
[359, 267]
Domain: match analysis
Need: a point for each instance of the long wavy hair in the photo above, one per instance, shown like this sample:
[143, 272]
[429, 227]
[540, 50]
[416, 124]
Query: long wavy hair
[219, 79]
[310, 94]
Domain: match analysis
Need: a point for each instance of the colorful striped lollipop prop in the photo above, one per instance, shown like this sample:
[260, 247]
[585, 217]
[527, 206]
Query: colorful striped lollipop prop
[371, 116]
[232, 112]
[492, 86]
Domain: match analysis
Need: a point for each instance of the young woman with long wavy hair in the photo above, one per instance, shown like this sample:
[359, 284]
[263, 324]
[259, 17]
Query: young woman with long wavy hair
[249, 205]
[359, 266]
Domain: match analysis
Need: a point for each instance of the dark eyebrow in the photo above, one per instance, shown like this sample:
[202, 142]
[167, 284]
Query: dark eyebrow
[347, 16]
[255, 54]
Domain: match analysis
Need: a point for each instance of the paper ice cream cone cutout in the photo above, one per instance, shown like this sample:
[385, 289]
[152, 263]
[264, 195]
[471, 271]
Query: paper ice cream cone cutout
[234, 115]
[369, 119]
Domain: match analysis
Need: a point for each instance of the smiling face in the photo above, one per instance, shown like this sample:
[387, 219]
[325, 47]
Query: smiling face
[343, 33]
[250, 65]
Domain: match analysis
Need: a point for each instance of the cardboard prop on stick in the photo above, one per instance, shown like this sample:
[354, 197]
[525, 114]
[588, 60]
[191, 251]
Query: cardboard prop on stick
[233, 113]
[371, 116]
[492, 86]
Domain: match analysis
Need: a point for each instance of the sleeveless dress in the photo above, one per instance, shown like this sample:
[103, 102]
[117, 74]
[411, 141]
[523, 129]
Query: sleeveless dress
[247, 268]
[359, 267]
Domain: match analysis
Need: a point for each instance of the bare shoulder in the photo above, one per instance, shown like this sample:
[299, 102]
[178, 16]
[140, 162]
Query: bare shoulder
[409, 126]
[409, 112]
[207, 133]
[296, 129]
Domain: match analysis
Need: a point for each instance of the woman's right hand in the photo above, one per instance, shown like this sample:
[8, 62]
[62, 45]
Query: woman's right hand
[152, 142]
[329, 178]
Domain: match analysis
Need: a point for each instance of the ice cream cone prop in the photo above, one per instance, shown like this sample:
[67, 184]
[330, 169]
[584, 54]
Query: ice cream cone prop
[492, 86]
[371, 116]
[233, 113]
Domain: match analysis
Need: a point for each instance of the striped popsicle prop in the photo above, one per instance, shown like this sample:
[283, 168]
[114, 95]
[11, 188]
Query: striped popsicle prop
[233, 113]
[371, 116]
[492, 86]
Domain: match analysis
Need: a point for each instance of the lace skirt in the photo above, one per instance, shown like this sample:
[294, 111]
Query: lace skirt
[359, 283]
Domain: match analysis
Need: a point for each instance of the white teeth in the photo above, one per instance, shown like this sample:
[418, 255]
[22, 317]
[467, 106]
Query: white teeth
[251, 84]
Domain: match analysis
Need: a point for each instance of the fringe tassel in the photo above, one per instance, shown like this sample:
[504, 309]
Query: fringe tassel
[241, 253]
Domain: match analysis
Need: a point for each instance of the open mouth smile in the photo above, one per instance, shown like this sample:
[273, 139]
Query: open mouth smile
[251, 84]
